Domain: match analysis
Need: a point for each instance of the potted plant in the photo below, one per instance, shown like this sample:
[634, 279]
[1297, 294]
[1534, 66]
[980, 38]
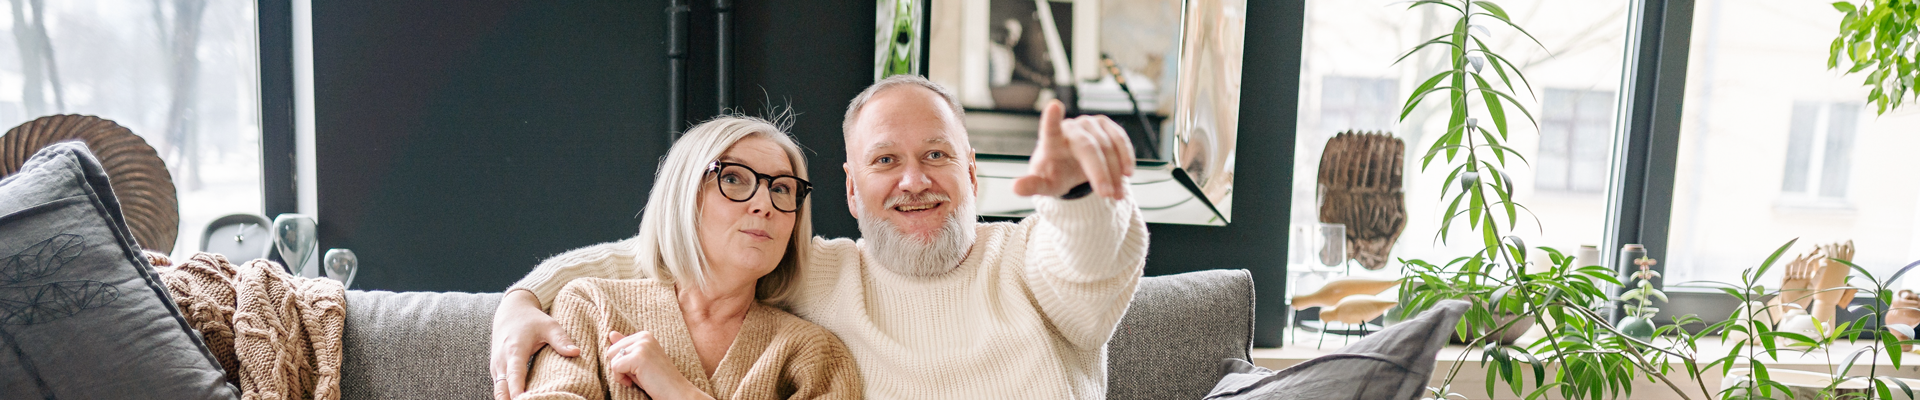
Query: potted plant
[1583, 354]
[1640, 307]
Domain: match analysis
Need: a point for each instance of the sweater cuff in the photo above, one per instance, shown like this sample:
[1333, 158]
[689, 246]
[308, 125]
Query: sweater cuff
[1101, 211]
[1087, 236]
[543, 286]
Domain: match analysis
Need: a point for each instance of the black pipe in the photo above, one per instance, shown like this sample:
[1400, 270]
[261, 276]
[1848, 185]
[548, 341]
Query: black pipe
[676, 66]
[723, 96]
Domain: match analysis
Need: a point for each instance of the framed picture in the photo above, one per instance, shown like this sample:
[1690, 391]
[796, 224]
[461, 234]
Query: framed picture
[897, 37]
[1168, 71]
[1013, 55]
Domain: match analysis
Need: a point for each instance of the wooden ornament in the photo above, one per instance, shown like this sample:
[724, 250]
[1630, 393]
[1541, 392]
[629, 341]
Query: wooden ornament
[1360, 186]
[140, 180]
[1357, 309]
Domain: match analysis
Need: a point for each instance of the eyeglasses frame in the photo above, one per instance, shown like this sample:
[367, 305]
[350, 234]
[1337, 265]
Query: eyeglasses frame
[805, 188]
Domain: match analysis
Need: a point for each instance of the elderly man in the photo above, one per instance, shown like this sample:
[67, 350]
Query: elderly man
[932, 303]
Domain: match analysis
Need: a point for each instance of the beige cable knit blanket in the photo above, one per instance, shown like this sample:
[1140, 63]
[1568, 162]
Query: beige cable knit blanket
[277, 335]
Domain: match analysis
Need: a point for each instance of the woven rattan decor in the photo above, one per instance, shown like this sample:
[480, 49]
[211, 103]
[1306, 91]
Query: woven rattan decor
[140, 179]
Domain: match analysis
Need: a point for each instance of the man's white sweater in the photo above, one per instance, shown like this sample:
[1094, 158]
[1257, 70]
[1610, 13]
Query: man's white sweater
[1027, 314]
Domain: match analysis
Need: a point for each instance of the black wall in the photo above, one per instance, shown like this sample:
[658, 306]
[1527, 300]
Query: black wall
[462, 144]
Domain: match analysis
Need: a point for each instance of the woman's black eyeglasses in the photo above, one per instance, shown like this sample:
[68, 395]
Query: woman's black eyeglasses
[739, 183]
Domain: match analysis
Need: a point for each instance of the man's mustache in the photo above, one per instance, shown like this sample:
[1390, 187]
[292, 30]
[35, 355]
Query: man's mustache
[922, 197]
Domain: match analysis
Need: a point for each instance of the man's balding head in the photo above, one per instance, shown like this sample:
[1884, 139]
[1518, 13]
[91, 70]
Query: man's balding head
[940, 94]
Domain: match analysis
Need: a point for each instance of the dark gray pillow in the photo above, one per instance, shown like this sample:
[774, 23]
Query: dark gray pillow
[82, 315]
[1170, 342]
[1394, 363]
[417, 345]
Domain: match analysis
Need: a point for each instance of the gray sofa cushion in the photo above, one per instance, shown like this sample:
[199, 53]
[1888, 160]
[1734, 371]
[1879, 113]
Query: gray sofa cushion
[82, 315]
[1395, 363]
[417, 345]
[434, 345]
[1176, 331]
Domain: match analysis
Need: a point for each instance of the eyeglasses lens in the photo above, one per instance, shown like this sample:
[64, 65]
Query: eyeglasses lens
[739, 184]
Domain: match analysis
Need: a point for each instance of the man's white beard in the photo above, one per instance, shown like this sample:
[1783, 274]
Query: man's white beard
[896, 251]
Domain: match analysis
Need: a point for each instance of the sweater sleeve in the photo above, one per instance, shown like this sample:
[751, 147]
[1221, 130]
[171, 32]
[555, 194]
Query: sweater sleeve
[557, 377]
[824, 369]
[611, 260]
[1084, 258]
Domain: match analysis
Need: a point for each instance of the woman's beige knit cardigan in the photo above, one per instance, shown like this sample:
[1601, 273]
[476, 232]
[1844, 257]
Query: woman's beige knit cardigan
[775, 356]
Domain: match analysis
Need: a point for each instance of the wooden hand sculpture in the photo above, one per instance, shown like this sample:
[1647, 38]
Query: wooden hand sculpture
[1341, 288]
[1360, 181]
[1827, 281]
[1795, 286]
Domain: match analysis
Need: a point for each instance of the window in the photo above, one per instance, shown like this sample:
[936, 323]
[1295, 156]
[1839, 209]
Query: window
[1357, 104]
[180, 73]
[1349, 81]
[1774, 146]
[1576, 136]
[1819, 146]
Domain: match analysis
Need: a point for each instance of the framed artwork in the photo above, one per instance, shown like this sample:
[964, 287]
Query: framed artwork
[1168, 71]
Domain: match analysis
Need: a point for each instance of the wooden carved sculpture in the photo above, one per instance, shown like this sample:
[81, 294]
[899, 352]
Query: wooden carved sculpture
[1360, 186]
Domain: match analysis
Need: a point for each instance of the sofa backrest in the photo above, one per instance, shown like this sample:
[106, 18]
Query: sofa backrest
[417, 345]
[434, 345]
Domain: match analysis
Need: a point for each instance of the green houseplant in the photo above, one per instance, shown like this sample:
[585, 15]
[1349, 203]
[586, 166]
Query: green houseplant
[1587, 356]
[1881, 36]
[1583, 354]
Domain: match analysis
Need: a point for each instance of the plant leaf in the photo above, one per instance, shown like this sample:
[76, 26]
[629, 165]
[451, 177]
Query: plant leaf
[1775, 257]
[1494, 109]
[1492, 9]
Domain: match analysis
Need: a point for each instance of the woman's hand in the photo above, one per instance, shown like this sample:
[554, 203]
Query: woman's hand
[639, 360]
[519, 329]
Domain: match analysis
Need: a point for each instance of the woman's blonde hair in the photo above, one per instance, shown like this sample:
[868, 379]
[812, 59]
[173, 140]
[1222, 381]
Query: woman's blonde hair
[669, 240]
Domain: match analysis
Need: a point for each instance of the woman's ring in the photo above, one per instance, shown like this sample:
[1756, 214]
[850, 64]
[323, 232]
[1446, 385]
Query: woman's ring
[626, 351]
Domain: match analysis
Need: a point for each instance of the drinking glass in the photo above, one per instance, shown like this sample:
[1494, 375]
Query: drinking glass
[1333, 244]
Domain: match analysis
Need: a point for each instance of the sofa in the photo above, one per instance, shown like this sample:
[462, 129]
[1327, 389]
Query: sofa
[1170, 344]
[84, 315]
[87, 316]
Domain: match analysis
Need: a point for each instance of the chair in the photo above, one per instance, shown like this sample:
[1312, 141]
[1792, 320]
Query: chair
[139, 178]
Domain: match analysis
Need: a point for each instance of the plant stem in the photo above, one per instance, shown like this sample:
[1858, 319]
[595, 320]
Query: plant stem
[1646, 366]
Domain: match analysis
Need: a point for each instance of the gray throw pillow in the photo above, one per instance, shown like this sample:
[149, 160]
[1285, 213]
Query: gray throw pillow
[82, 315]
[1394, 363]
[1176, 330]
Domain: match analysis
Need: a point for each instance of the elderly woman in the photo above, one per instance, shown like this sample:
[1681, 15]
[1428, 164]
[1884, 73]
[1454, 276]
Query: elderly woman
[690, 317]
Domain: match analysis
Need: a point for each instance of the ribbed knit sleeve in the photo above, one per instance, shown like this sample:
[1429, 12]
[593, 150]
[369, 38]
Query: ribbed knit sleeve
[611, 260]
[557, 377]
[824, 369]
[1084, 258]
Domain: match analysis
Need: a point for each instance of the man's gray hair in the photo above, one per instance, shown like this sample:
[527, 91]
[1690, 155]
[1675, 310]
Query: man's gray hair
[860, 102]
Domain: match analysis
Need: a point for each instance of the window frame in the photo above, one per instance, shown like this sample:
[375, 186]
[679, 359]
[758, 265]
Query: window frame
[1646, 153]
[273, 30]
